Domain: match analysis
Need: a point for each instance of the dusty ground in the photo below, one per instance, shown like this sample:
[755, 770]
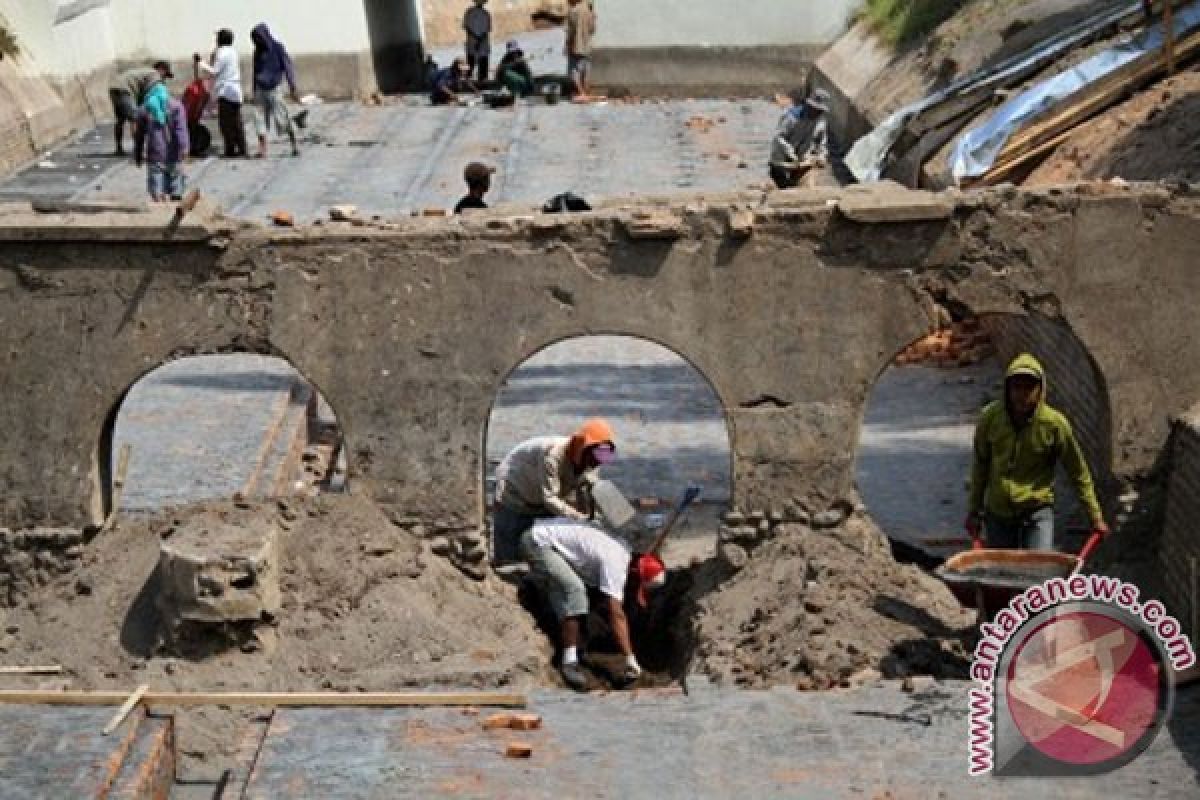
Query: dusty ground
[828, 608]
[1155, 135]
[367, 607]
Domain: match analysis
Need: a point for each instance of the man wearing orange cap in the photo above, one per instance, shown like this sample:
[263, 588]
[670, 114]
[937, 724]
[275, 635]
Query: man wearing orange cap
[540, 477]
[567, 556]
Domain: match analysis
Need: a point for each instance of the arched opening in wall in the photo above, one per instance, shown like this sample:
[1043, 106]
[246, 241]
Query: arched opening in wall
[915, 448]
[210, 427]
[671, 434]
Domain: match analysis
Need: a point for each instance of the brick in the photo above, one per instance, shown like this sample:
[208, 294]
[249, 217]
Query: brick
[518, 750]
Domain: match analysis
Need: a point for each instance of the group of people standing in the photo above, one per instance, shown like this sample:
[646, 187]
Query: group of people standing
[470, 71]
[164, 130]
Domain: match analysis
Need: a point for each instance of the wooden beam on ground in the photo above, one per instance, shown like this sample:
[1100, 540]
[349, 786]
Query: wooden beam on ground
[47, 670]
[123, 712]
[269, 699]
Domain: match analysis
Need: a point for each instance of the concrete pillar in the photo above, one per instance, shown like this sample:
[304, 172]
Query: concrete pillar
[397, 47]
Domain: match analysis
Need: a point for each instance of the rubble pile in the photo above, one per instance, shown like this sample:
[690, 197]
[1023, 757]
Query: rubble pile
[825, 604]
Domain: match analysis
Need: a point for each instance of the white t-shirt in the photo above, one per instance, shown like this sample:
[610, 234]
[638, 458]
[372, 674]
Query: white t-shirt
[227, 75]
[601, 560]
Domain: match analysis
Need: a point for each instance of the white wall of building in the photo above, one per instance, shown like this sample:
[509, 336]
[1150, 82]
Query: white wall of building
[175, 29]
[72, 37]
[723, 23]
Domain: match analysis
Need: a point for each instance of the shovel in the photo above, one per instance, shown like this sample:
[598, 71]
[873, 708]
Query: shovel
[689, 497]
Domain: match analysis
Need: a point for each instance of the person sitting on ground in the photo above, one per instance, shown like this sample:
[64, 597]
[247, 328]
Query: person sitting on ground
[128, 93]
[272, 65]
[801, 140]
[164, 149]
[538, 476]
[1019, 441]
[450, 83]
[226, 74]
[477, 24]
[479, 181]
[565, 556]
[581, 27]
[514, 72]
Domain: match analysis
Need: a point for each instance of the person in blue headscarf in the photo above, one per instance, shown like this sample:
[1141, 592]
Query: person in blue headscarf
[272, 65]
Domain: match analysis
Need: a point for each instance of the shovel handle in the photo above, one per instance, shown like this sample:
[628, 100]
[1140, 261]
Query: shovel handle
[1089, 546]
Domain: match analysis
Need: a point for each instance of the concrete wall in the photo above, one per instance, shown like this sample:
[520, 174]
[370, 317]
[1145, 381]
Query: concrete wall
[709, 47]
[442, 19]
[1179, 555]
[790, 305]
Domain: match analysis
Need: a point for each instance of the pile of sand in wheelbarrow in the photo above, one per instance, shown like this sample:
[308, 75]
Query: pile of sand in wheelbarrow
[825, 608]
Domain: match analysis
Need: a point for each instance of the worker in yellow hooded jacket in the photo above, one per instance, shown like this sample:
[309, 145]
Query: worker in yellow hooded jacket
[548, 476]
[1019, 441]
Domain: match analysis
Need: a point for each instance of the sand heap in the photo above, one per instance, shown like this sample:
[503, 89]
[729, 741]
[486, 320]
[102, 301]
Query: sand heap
[823, 608]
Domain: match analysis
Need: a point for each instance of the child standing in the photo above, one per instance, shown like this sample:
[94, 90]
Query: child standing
[163, 147]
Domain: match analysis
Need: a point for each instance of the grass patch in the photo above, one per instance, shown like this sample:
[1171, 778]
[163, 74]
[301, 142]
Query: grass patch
[904, 21]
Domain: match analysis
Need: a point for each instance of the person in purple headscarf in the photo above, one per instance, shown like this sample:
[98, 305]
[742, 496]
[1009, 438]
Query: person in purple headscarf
[272, 65]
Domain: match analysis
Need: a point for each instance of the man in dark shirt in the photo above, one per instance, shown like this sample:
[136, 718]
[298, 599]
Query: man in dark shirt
[451, 81]
[479, 181]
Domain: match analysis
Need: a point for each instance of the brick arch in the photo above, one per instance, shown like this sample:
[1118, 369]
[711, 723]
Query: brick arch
[542, 347]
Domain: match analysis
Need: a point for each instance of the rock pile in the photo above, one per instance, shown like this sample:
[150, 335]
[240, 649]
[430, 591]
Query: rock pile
[33, 558]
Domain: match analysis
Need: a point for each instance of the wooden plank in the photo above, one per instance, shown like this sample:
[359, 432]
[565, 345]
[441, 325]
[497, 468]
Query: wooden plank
[269, 699]
[48, 670]
[1095, 98]
[129, 704]
[1026, 147]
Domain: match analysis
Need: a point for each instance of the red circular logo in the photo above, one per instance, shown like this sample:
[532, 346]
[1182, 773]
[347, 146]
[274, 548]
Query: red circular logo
[1085, 688]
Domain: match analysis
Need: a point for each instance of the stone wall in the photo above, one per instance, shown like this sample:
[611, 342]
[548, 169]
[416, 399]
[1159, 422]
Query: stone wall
[1179, 553]
[34, 557]
[791, 304]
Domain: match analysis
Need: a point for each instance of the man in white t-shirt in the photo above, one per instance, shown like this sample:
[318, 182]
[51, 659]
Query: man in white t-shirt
[568, 555]
[226, 74]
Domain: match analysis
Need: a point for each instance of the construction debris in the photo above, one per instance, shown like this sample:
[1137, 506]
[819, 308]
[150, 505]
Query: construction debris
[518, 750]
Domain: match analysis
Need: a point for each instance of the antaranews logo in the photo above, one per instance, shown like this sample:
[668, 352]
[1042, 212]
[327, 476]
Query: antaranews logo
[1074, 677]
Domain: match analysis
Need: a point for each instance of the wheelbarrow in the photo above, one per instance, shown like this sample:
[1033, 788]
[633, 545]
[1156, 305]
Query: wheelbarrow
[988, 579]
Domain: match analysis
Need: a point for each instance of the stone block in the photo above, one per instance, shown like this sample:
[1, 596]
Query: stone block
[828, 519]
[894, 205]
[216, 571]
[732, 556]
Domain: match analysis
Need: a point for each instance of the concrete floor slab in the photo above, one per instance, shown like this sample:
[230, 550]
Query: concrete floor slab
[876, 742]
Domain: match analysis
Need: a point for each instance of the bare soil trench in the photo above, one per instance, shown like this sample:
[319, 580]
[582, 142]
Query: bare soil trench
[368, 607]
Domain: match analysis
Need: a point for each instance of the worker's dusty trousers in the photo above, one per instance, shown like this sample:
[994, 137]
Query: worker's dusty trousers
[562, 584]
[233, 131]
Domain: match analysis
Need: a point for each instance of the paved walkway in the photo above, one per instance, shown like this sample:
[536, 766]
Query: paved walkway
[202, 428]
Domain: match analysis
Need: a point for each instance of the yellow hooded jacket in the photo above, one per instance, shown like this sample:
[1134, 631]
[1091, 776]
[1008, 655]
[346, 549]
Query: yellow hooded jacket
[1012, 472]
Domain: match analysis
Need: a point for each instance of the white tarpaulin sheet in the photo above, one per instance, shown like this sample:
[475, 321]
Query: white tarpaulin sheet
[978, 148]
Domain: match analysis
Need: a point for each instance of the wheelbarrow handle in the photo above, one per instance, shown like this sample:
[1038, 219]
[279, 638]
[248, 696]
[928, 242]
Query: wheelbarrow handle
[1088, 547]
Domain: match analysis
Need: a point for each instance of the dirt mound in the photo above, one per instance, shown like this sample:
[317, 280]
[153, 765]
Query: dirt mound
[826, 608]
[1153, 136]
[366, 607]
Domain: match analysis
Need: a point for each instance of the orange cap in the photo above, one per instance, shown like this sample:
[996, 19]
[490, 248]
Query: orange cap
[592, 432]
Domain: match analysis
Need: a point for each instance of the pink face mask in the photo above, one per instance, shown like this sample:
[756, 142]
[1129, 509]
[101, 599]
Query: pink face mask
[604, 454]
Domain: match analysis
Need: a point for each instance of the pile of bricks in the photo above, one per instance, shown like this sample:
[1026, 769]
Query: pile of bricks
[959, 345]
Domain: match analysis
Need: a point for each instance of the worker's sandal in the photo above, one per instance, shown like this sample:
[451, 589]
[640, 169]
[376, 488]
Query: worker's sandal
[573, 675]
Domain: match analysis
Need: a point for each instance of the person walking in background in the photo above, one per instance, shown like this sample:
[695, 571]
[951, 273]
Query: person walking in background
[226, 75]
[1019, 441]
[272, 65]
[477, 23]
[129, 91]
[163, 147]
[581, 27]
